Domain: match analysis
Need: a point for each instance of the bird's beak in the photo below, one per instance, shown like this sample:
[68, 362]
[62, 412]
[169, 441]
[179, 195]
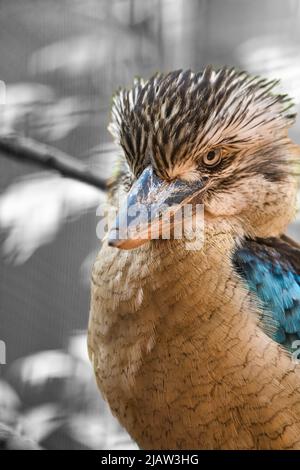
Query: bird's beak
[150, 209]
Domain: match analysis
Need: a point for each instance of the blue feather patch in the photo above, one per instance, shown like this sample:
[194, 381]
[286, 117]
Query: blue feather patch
[271, 269]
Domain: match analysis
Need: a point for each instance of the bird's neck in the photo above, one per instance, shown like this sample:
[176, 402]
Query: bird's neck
[192, 282]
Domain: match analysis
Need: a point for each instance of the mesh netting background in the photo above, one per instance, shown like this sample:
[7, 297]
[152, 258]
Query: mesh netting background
[61, 61]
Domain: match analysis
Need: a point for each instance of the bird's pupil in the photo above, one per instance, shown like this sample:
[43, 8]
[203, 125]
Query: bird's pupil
[211, 155]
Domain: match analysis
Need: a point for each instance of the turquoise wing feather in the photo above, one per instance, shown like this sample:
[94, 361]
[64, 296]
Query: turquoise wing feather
[271, 269]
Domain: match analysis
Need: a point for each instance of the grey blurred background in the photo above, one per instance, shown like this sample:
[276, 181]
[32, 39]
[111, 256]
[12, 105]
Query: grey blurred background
[61, 61]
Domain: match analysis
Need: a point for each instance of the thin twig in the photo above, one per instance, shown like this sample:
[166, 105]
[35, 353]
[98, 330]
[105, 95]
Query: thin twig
[26, 150]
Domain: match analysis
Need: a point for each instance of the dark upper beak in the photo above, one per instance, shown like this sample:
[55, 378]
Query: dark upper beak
[149, 209]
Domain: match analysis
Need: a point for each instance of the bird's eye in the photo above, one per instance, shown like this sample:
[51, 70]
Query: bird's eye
[212, 158]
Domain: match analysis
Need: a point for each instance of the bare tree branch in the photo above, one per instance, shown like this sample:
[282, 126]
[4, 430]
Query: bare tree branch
[26, 150]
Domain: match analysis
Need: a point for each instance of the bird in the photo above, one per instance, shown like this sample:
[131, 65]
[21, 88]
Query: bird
[197, 347]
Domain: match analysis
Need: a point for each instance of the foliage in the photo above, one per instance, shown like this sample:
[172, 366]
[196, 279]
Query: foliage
[51, 398]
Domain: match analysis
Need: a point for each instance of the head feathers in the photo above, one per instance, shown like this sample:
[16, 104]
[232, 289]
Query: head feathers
[172, 118]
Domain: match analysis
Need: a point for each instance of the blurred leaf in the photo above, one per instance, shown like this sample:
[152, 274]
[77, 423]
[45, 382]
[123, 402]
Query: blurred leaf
[66, 378]
[39, 422]
[87, 55]
[73, 55]
[8, 396]
[77, 347]
[21, 99]
[35, 109]
[9, 404]
[33, 210]
[37, 369]
[120, 441]
[88, 429]
[11, 440]
[71, 408]
[44, 377]
[58, 119]
[96, 432]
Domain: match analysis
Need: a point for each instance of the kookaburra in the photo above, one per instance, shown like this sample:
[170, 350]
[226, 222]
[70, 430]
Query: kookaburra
[197, 348]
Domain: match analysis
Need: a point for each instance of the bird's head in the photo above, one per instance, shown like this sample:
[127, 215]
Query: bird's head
[216, 138]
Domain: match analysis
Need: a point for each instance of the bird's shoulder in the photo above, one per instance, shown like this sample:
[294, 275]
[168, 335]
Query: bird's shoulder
[271, 269]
